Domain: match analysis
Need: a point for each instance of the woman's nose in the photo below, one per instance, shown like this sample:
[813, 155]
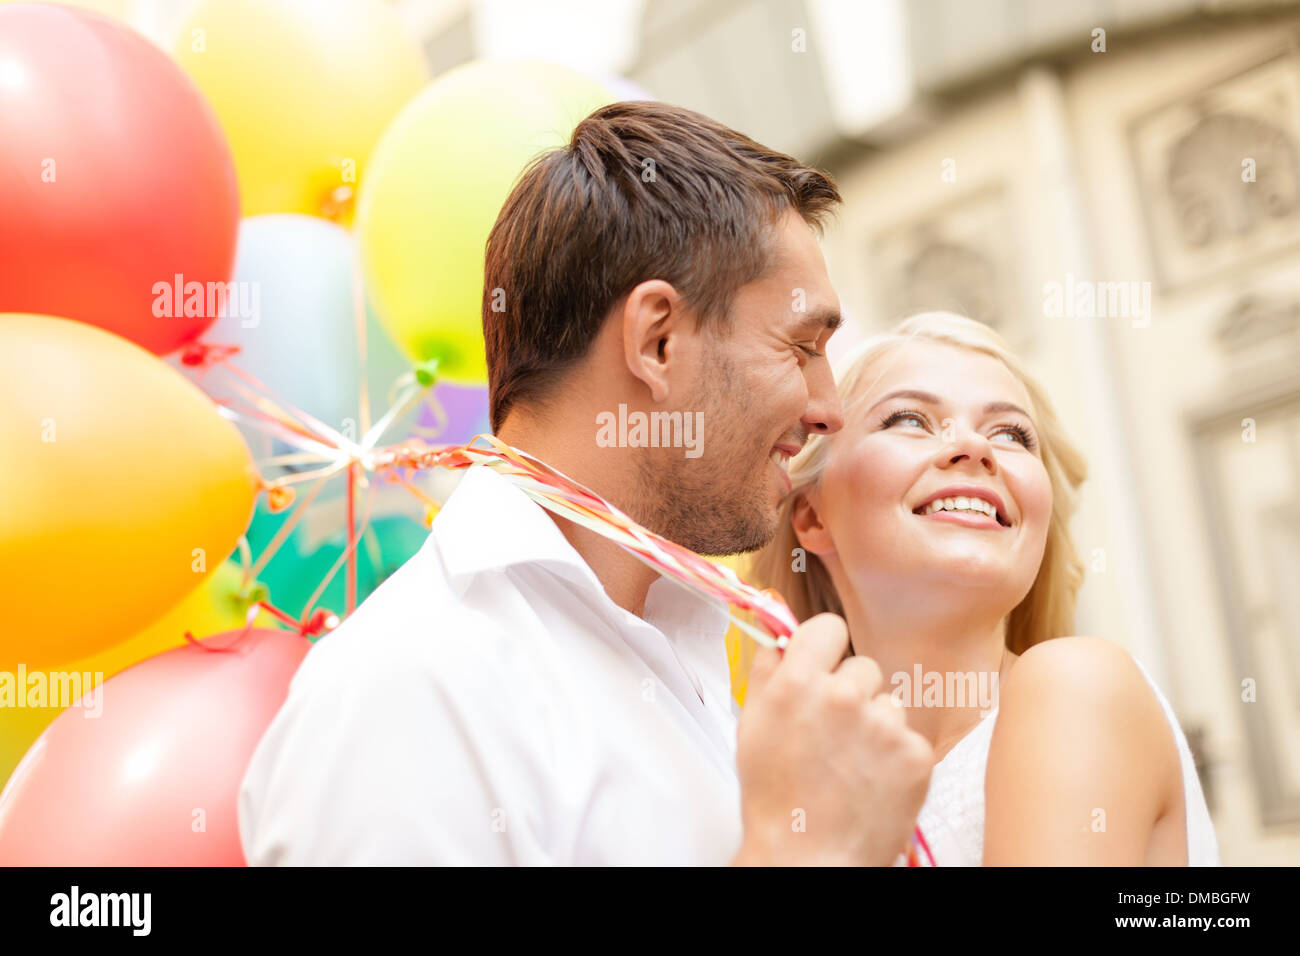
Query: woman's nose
[964, 444]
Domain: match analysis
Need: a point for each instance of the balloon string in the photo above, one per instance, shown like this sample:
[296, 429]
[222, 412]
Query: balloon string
[316, 441]
[271, 415]
[365, 523]
[204, 355]
[308, 627]
[352, 540]
[269, 420]
[250, 615]
[359, 318]
[285, 529]
[298, 477]
[208, 356]
[276, 429]
[439, 419]
[919, 838]
[562, 495]
[409, 397]
[269, 409]
[245, 558]
[277, 409]
[432, 507]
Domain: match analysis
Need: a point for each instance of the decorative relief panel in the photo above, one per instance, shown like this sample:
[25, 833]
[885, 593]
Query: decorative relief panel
[1255, 321]
[957, 258]
[1219, 173]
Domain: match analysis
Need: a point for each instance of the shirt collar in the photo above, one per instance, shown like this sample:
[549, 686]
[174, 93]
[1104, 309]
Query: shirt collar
[489, 524]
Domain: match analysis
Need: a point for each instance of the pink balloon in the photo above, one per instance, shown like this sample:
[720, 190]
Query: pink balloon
[154, 779]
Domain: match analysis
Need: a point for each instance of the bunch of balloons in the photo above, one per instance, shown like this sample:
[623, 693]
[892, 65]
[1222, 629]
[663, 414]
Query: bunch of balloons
[283, 203]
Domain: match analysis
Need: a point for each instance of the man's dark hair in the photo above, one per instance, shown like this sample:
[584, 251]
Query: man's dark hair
[643, 190]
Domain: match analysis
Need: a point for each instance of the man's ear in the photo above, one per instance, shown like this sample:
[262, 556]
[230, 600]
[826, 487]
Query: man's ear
[654, 323]
[808, 527]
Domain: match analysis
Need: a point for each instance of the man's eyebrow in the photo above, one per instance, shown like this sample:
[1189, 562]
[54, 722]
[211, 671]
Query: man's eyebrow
[822, 318]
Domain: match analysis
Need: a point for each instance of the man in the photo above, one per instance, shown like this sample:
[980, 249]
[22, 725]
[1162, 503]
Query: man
[524, 691]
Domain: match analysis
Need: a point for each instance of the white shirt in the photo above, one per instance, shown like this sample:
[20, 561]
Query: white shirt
[490, 704]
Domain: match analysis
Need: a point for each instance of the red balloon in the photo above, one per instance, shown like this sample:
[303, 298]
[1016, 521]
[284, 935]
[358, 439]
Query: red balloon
[114, 176]
[154, 779]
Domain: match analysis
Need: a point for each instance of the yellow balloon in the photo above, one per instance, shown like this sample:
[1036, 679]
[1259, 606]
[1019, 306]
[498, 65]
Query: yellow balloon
[303, 90]
[121, 487]
[740, 646]
[19, 728]
[740, 657]
[214, 607]
[437, 181]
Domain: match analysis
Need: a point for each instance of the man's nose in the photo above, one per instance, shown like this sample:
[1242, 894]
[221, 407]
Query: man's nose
[824, 414]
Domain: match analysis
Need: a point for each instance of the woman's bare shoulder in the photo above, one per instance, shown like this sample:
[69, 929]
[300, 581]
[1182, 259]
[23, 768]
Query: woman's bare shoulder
[1081, 669]
[1081, 764]
[1088, 688]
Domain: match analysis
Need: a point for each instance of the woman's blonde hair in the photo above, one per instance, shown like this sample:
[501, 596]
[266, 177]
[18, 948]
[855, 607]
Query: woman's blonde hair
[1048, 609]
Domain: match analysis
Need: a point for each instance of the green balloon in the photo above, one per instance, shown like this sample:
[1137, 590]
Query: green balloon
[298, 567]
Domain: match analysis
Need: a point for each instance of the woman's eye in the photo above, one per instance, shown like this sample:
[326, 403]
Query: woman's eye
[1015, 433]
[910, 417]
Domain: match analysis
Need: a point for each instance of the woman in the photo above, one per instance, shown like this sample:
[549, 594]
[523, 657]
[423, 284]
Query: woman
[937, 523]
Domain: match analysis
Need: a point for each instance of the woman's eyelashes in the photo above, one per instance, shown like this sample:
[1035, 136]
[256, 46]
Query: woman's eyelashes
[1019, 433]
[893, 419]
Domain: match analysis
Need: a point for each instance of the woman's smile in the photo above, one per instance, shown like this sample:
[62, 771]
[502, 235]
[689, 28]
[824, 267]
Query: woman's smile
[966, 519]
[965, 505]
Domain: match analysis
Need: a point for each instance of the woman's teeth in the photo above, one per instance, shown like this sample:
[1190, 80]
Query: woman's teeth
[977, 505]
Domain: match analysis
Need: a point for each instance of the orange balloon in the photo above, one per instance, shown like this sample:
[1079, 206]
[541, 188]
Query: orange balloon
[214, 607]
[122, 486]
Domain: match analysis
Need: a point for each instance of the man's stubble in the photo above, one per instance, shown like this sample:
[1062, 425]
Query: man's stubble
[718, 503]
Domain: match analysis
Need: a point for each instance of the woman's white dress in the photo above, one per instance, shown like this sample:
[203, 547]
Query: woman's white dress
[952, 817]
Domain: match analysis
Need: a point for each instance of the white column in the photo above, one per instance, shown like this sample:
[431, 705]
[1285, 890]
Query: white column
[1111, 464]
